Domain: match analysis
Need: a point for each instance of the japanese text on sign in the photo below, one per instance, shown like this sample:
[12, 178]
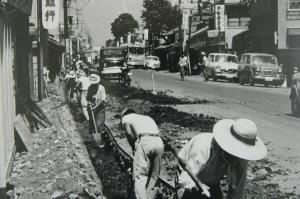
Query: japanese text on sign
[50, 12]
[220, 17]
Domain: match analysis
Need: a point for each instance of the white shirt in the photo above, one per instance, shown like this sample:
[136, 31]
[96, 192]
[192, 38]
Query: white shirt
[205, 161]
[142, 124]
[85, 82]
[100, 95]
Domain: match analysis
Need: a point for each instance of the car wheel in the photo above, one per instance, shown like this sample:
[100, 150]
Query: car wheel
[295, 106]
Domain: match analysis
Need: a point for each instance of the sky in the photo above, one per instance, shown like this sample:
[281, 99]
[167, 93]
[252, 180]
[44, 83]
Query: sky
[99, 14]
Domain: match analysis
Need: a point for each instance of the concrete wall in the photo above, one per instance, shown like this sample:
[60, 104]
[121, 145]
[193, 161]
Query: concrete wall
[284, 23]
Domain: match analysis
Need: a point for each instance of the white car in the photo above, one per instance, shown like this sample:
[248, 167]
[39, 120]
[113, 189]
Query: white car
[152, 62]
[221, 66]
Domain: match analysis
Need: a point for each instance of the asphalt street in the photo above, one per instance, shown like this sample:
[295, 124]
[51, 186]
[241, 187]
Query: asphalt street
[269, 107]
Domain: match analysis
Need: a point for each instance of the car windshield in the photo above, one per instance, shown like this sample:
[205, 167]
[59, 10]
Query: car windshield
[264, 59]
[113, 53]
[225, 58]
[153, 58]
[136, 50]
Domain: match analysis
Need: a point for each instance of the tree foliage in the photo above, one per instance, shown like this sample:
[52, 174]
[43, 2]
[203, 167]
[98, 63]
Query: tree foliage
[160, 16]
[110, 43]
[122, 25]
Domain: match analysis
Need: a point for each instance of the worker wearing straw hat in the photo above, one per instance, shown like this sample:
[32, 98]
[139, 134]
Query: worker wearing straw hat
[96, 97]
[208, 157]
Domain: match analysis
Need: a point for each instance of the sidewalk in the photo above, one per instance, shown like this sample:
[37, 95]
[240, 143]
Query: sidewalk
[58, 166]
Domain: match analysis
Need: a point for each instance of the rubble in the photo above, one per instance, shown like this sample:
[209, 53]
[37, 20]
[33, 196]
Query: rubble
[58, 166]
[178, 127]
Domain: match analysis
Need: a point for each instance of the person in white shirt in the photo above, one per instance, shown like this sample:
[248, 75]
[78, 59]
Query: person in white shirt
[96, 98]
[143, 136]
[208, 157]
[83, 84]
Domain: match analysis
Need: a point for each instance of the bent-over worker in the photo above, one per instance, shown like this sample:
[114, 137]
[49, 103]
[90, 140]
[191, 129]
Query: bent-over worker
[208, 157]
[143, 136]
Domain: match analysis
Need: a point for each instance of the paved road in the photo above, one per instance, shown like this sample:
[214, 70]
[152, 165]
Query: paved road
[268, 107]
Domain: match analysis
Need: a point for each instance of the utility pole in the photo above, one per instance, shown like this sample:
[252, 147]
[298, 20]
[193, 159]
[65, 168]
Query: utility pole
[41, 83]
[179, 28]
[66, 31]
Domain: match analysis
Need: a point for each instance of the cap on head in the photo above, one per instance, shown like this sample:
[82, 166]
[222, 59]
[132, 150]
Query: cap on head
[203, 53]
[126, 111]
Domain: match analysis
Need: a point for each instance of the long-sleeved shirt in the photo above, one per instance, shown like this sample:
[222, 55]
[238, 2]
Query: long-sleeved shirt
[203, 158]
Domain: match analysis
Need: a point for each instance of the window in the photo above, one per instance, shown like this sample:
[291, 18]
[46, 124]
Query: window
[294, 5]
[293, 37]
[238, 22]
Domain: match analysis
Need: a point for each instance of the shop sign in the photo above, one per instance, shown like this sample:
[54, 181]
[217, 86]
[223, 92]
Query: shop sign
[50, 14]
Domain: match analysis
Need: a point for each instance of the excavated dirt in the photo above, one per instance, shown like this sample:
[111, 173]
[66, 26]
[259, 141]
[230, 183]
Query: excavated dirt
[176, 128]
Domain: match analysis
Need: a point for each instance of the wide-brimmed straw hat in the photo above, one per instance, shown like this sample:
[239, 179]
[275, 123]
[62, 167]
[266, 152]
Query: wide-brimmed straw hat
[72, 73]
[80, 73]
[239, 138]
[94, 79]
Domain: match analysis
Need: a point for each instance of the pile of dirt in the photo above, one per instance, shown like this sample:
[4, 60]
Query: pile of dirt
[177, 128]
[159, 98]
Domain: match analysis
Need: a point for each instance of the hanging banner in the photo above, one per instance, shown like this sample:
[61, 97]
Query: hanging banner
[50, 14]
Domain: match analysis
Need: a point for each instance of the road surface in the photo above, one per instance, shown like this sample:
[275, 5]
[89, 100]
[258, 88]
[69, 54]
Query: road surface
[268, 107]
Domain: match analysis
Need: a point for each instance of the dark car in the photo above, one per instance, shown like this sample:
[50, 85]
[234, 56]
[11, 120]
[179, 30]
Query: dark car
[112, 59]
[295, 94]
[260, 68]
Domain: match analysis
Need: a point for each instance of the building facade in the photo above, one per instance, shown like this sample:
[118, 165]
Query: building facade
[14, 76]
[275, 28]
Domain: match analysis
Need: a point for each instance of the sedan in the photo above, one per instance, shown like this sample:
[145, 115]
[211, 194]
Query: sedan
[152, 62]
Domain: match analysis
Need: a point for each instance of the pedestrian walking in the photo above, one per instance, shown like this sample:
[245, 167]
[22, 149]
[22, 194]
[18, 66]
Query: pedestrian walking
[82, 86]
[183, 64]
[208, 157]
[143, 136]
[96, 97]
[203, 64]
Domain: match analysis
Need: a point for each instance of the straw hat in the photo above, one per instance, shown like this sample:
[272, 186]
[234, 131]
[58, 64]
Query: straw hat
[72, 74]
[80, 73]
[94, 79]
[239, 138]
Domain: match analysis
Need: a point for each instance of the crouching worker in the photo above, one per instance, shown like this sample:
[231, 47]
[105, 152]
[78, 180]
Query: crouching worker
[143, 136]
[96, 97]
[208, 157]
[82, 86]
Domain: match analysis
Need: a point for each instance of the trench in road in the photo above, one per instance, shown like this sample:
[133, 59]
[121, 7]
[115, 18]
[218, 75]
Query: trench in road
[268, 107]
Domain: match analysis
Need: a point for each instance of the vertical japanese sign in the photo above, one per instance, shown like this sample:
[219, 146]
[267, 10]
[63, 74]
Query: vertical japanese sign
[50, 14]
[185, 21]
[220, 17]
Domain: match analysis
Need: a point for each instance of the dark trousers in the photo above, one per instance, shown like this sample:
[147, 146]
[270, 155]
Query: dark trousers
[215, 192]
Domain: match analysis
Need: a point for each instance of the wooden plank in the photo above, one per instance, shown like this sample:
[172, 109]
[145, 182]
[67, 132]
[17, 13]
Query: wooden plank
[24, 132]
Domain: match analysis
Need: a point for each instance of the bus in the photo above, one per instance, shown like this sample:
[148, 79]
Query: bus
[136, 56]
[111, 61]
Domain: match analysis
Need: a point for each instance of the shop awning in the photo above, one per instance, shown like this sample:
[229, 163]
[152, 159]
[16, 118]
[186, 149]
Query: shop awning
[56, 45]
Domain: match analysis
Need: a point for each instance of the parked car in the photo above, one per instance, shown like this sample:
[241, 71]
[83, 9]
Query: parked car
[152, 62]
[295, 94]
[260, 68]
[221, 66]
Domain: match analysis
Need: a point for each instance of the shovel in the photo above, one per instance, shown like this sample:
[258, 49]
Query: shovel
[96, 135]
